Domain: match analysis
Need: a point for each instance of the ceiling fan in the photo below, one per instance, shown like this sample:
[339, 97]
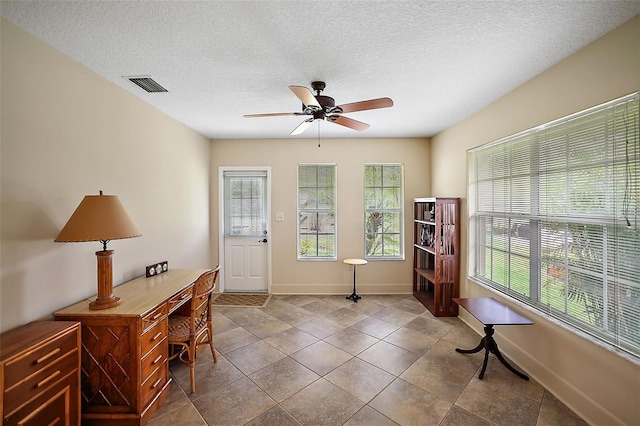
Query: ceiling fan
[320, 107]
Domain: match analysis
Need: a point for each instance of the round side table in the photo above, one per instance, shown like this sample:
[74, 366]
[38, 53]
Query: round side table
[354, 262]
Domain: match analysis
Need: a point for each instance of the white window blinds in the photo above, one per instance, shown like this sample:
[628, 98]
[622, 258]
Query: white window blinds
[555, 220]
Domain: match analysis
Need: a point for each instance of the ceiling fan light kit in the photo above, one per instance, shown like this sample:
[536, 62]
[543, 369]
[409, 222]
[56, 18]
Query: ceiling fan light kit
[321, 107]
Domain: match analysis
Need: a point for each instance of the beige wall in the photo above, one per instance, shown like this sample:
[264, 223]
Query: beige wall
[283, 155]
[66, 133]
[599, 385]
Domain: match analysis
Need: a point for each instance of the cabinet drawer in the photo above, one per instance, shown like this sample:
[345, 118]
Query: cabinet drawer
[58, 405]
[35, 384]
[39, 358]
[152, 336]
[154, 384]
[150, 319]
[154, 359]
[178, 299]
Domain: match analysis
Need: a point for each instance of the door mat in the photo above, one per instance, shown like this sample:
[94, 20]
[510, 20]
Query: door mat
[242, 300]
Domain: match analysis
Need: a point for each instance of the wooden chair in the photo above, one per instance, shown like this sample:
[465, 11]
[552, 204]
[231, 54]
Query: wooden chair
[192, 326]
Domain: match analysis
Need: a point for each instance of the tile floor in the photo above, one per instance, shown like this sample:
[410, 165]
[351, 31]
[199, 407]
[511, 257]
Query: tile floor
[324, 360]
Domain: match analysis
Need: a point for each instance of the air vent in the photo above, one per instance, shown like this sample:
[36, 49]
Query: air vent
[147, 83]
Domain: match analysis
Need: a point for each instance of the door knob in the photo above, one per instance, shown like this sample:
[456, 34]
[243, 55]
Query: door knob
[262, 241]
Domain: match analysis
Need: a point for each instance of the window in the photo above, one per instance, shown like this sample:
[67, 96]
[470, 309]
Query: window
[383, 211]
[317, 212]
[555, 220]
[244, 203]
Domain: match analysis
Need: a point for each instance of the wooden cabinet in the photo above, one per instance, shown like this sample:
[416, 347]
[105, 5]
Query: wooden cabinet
[436, 254]
[125, 373]
[40, 374]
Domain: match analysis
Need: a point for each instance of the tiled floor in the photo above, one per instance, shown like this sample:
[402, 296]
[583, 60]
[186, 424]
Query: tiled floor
[324, 360]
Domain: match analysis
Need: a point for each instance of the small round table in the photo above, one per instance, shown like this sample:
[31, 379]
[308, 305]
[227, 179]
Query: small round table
[354, 262]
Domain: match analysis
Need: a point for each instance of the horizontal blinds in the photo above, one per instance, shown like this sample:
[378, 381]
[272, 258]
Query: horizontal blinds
[570, 191]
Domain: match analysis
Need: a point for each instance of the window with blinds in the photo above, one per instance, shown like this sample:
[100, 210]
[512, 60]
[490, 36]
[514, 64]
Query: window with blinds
[554, 220]
[317, 212]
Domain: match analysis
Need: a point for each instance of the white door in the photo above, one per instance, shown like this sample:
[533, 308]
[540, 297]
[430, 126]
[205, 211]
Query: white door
[246, 237]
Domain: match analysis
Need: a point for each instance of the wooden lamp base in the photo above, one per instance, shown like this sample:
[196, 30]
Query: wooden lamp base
[105, 298]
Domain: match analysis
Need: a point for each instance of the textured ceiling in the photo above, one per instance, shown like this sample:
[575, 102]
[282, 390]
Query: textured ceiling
[439, 61]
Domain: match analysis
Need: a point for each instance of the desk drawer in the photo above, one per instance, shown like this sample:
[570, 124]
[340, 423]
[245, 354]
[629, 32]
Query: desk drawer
[39, 358]
[152, 336]
[150, 319]
[39, 382]
[178, 299]
[154, 359]
[154, 384]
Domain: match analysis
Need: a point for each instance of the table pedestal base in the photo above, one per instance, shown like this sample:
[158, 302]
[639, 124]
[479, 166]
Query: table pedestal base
[354, 296]
[489, 344]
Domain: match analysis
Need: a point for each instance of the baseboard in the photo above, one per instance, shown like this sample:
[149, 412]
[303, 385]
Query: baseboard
[333, 289]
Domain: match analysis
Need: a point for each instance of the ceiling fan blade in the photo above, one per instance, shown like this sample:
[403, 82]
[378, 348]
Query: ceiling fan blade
[365, 105]
[348, 122]
[302, 127]
[273, 114]
[305, 96]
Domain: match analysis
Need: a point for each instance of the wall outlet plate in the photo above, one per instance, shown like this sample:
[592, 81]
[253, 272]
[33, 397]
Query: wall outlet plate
[157, 268]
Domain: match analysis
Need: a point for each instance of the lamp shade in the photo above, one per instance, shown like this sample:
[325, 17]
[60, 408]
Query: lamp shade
[98, 218]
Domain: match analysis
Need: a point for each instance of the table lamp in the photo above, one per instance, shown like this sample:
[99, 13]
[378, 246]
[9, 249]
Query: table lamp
[100, 218]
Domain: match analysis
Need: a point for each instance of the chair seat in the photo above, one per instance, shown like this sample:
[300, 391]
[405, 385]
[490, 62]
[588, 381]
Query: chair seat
[179, 327]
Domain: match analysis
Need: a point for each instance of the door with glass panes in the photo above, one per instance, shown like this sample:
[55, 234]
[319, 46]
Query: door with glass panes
[246, 231]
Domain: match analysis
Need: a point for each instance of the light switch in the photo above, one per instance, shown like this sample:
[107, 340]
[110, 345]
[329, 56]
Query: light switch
[279, 217]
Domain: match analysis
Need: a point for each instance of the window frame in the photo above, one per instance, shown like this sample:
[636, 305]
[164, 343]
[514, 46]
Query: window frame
[561, 212]
[330, 211]
[398, 211]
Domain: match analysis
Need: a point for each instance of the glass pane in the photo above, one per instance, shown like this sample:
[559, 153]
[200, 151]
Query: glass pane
[326, 246]
[499, 267]
[307, 222]
[308, 245]
[325, 223]
[373, 175]
[391, 197]
[585, 295]
[392, 245]
[391, 222]
[519, 275]
[391, 176]
[624, 311]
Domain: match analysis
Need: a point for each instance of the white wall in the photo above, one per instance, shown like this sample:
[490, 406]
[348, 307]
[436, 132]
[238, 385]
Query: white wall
[350, 155]
[601, 386]
[67, 133]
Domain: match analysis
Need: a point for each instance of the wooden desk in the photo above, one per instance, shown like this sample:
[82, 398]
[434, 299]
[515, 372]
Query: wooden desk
[124, 368]
[490, 312]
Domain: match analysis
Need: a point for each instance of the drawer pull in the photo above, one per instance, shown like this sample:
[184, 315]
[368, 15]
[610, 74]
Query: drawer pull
[155, 385]
[184, 296]
[156, 316]
[48, 379]
[155, 361]
[54, 421]
[156, 336]
[47, 356]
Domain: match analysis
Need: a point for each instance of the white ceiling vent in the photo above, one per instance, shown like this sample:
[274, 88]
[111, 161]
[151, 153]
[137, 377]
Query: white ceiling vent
[147, 83]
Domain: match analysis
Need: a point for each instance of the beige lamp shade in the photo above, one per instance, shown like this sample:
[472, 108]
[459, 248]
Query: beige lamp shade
[98, 218]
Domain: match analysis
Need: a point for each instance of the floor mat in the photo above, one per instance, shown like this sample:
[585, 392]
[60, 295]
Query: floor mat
[242, 300]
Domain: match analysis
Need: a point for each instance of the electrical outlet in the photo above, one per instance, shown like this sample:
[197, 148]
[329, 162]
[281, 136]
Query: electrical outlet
[279, 217]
